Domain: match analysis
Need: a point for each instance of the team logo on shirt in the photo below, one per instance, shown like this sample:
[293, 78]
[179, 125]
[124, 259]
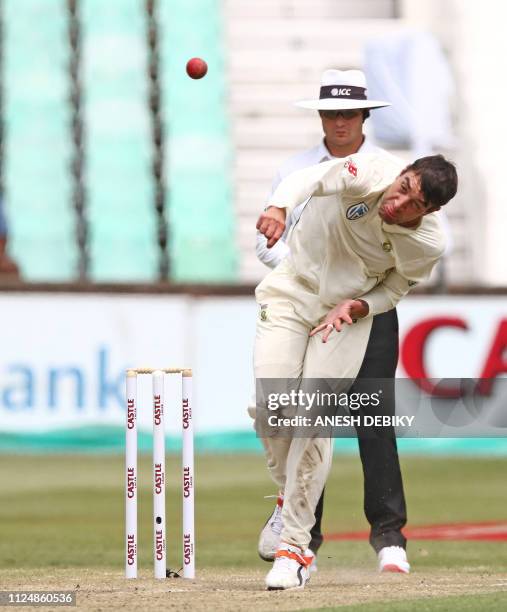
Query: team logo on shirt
[351, 167]
[356, 211]
[264, 312]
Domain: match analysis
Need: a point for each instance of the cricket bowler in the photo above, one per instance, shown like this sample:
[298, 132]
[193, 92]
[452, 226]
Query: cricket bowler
[365, 237]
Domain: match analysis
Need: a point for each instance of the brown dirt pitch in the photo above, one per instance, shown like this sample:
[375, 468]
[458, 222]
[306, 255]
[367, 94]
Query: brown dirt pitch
[226, 590]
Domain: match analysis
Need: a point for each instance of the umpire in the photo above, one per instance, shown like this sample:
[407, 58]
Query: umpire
[343, 107]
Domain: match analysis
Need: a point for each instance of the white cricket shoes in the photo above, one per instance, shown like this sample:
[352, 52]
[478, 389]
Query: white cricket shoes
[269, 539]
[393, 559]
[291, 568]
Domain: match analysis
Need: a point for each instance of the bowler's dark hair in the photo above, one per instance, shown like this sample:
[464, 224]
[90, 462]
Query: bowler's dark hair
[439, 179]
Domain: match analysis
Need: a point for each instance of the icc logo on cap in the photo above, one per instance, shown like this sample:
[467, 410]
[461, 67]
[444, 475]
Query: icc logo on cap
[356, 211]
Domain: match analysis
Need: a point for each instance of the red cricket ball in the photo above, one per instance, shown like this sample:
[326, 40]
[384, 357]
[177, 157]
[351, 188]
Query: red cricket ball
[196, 68]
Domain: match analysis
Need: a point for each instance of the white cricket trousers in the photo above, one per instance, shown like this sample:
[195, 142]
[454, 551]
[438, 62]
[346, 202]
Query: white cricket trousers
[288, 310]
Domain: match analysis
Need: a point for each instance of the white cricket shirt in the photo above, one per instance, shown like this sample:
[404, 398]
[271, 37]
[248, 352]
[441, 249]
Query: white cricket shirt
[316, 155]
[340, 247]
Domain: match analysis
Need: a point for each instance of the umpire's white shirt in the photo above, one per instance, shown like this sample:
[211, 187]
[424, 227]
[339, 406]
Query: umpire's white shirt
[272, 257]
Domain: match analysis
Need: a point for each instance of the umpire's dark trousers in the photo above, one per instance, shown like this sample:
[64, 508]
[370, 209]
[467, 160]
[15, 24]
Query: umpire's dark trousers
[384, 500]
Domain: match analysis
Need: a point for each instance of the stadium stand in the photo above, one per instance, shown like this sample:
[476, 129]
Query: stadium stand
[170, 189]
[37, 147]
[198, 162]
[114, 232]
[121, 214]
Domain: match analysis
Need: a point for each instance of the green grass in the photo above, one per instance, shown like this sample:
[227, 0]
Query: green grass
[67, 511]
[494, 602]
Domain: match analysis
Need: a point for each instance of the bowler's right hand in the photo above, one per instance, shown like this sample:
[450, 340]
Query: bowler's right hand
[272, 224]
